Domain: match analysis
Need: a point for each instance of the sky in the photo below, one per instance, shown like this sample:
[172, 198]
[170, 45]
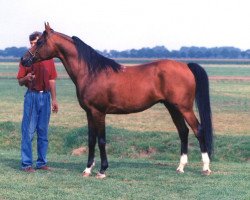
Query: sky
[127, 24]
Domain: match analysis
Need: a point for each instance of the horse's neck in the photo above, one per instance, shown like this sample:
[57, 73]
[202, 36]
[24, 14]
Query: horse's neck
[69, 57]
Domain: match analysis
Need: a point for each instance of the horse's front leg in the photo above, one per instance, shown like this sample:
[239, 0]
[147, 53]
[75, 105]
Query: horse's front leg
[91, 144]
[96, 123]
[101, 135]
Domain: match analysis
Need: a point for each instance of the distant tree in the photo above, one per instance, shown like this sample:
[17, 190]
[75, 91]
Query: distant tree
[13, 52]
[156, 52]
[245, 54]
[161, 52]
[114, 53]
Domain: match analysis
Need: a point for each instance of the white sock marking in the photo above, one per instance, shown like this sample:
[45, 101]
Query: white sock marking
[183, 162]
[88, 169]
[206, 161]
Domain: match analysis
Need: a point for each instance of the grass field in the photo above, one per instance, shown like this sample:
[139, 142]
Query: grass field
[143, 148]
[127, 179]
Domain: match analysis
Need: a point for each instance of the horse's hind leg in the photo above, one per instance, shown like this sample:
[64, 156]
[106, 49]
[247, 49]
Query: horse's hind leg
[193, 122]
[183, 134]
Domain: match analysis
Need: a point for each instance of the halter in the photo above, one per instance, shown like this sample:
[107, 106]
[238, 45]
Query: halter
[38, 48]
[32, 55]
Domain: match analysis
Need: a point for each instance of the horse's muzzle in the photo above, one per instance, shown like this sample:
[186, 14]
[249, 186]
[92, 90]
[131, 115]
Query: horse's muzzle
[26, 63]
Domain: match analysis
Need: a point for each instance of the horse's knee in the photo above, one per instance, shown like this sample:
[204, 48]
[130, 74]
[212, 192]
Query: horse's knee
[92, 141]
[101, 142]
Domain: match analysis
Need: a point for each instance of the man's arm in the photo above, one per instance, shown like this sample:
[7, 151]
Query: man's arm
[53, 95]
[24, 80]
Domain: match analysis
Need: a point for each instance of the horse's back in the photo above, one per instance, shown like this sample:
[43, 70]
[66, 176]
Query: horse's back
[170, 68]
[176, 82]
[162, 80]
[166, 73]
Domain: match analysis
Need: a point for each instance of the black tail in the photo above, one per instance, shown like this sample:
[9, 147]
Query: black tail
[203, 104]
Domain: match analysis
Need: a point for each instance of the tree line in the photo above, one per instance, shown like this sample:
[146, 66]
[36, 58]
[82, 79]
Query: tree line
[156, 52]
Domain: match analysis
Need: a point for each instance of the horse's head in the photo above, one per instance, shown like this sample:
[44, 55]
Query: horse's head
[42, 50]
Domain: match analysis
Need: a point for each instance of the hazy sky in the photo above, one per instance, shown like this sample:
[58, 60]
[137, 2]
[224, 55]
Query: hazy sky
[126, 24]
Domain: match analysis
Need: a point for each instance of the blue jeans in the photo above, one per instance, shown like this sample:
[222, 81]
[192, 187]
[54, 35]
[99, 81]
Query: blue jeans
[36, 116]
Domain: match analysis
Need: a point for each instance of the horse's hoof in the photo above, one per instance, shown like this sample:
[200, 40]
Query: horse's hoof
[206, 172]
[100, 175]
[85, 174]
[178, 171]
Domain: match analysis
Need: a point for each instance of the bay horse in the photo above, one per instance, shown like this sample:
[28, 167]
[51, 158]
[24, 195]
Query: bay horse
[105, 87]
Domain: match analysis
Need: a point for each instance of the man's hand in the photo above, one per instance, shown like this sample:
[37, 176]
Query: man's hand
[30, 77]
[54, 106]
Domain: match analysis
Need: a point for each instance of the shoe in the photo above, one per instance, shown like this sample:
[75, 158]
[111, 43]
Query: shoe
[45, 168]
[29, 169]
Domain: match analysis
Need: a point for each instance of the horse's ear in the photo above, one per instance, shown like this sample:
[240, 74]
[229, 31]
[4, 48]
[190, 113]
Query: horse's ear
[47, 27]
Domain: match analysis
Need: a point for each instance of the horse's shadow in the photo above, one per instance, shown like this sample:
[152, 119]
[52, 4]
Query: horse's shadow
[14, 163]
[115, 165]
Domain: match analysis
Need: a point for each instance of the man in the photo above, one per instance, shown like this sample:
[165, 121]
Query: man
[41, 86]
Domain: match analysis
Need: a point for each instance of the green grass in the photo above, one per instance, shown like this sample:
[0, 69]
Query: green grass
[230, 95]
[234, 70]
[122, 143]
[127, 179]
[143, 148]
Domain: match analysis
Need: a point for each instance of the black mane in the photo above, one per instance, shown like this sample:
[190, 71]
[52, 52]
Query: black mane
[95, 61]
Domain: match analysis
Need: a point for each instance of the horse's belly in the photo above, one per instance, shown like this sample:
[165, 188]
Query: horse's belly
[130, 107]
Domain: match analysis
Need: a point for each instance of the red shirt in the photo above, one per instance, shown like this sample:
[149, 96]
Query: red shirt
[43, 71]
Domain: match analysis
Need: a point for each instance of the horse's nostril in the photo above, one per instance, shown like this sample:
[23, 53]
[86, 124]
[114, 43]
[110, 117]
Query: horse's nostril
[25, 62]
[22, 61]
